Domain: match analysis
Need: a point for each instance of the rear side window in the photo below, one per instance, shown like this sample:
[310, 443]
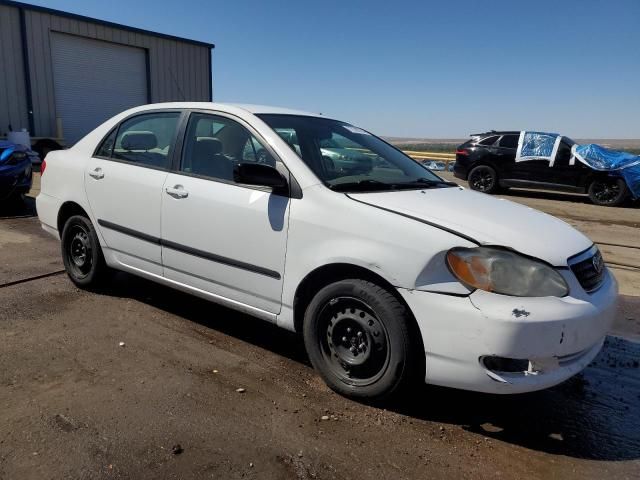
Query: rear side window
[146, 139]
[489, 140]
[509, 141]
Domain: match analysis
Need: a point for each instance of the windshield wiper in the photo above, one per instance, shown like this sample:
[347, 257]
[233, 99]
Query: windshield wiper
[425, 183]
[369, 185]
[365, 185]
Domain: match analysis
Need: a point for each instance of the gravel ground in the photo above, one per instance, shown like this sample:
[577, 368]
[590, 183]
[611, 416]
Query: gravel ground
[139, 381]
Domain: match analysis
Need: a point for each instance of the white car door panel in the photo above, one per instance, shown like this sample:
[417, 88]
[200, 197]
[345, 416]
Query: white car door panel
[225, 239]
[124, 181]
[126, 204]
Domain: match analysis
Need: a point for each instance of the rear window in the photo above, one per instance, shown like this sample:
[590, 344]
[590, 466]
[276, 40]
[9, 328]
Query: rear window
[489, 140]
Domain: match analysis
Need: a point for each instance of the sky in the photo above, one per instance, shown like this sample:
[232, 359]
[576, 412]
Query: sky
[434, 69]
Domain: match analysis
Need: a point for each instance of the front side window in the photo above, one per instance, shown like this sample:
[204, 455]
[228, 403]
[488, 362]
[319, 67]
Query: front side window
[347, 158]
[214, 145]
[146, 139]
[563, 156]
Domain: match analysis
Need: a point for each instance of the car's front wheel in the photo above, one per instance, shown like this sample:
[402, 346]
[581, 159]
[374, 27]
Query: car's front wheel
[81, 252]
[609, 192]
[483, 178]
[357, 335]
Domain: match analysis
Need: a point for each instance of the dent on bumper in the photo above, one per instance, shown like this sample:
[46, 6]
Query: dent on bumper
[559, 336]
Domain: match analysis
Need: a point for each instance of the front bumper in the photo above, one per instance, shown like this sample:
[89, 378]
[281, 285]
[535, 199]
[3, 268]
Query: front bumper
[558, 336]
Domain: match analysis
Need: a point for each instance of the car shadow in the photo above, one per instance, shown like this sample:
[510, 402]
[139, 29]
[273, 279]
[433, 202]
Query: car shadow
[208, 314]
[18, 208]
[595, 415]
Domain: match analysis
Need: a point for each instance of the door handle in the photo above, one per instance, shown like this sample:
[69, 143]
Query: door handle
[96, 173]
[177, 191]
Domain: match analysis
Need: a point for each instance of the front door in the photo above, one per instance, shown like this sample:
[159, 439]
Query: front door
[219, 236]
[124, 181]
[564, 172]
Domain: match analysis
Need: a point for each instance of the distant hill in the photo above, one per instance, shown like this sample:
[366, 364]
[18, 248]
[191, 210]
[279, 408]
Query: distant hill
[450, 144]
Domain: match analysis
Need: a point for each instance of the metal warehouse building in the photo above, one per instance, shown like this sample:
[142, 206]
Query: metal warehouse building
[64, 74]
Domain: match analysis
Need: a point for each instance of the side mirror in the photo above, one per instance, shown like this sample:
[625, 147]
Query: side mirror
[259, 174]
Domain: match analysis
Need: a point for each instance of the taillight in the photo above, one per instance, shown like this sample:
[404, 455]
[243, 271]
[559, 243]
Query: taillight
[462, 152]
[43, 166]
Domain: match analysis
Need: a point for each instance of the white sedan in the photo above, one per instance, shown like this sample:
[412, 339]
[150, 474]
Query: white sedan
[391, 273]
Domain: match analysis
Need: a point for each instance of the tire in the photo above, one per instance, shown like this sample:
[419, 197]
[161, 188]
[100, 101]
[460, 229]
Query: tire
[608, 192]
[81, 253]
[342, 321]
[483, 178]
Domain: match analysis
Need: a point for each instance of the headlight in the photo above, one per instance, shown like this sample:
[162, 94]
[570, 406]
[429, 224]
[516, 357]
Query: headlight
[16, 158]
[503, 271]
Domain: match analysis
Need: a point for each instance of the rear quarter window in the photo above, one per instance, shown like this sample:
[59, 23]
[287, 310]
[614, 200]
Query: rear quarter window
[489, 140]
[106, 148]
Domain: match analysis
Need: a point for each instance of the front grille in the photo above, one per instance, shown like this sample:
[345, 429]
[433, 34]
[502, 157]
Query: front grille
[590, 271]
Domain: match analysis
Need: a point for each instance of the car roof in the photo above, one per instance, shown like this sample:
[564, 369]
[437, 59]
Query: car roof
[228, 107]
[496, 132]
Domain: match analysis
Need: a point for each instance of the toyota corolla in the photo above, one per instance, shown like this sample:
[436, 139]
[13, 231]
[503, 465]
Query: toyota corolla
[390, 273]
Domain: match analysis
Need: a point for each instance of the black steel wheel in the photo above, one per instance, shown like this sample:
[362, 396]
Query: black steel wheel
[356, 344]
[357, 337]
[483, 178]
[81, 252]
[609, 192]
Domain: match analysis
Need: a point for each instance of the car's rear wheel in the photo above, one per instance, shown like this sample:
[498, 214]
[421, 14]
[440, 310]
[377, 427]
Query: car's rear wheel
[483, 178]
[357, 335]
[609, 192]
[81, 252]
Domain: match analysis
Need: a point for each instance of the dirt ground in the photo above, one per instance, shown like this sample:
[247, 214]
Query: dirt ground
[74, 403]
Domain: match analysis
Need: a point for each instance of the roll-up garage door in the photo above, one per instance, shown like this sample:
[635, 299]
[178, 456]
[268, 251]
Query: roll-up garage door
[94, 80]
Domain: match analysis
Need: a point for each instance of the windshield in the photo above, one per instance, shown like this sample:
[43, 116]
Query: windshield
[347, 158]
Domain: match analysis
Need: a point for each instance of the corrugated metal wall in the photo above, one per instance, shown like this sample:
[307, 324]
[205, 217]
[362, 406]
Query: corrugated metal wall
[177, 70]
[13, 94]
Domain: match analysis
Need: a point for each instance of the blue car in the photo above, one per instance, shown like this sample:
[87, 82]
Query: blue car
[15, 170]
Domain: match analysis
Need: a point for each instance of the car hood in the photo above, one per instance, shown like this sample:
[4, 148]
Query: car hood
[486, 219]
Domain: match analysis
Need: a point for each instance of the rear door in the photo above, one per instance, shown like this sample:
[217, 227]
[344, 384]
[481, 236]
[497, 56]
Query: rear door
[505, 151]
[124, 181]
[220, 236]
